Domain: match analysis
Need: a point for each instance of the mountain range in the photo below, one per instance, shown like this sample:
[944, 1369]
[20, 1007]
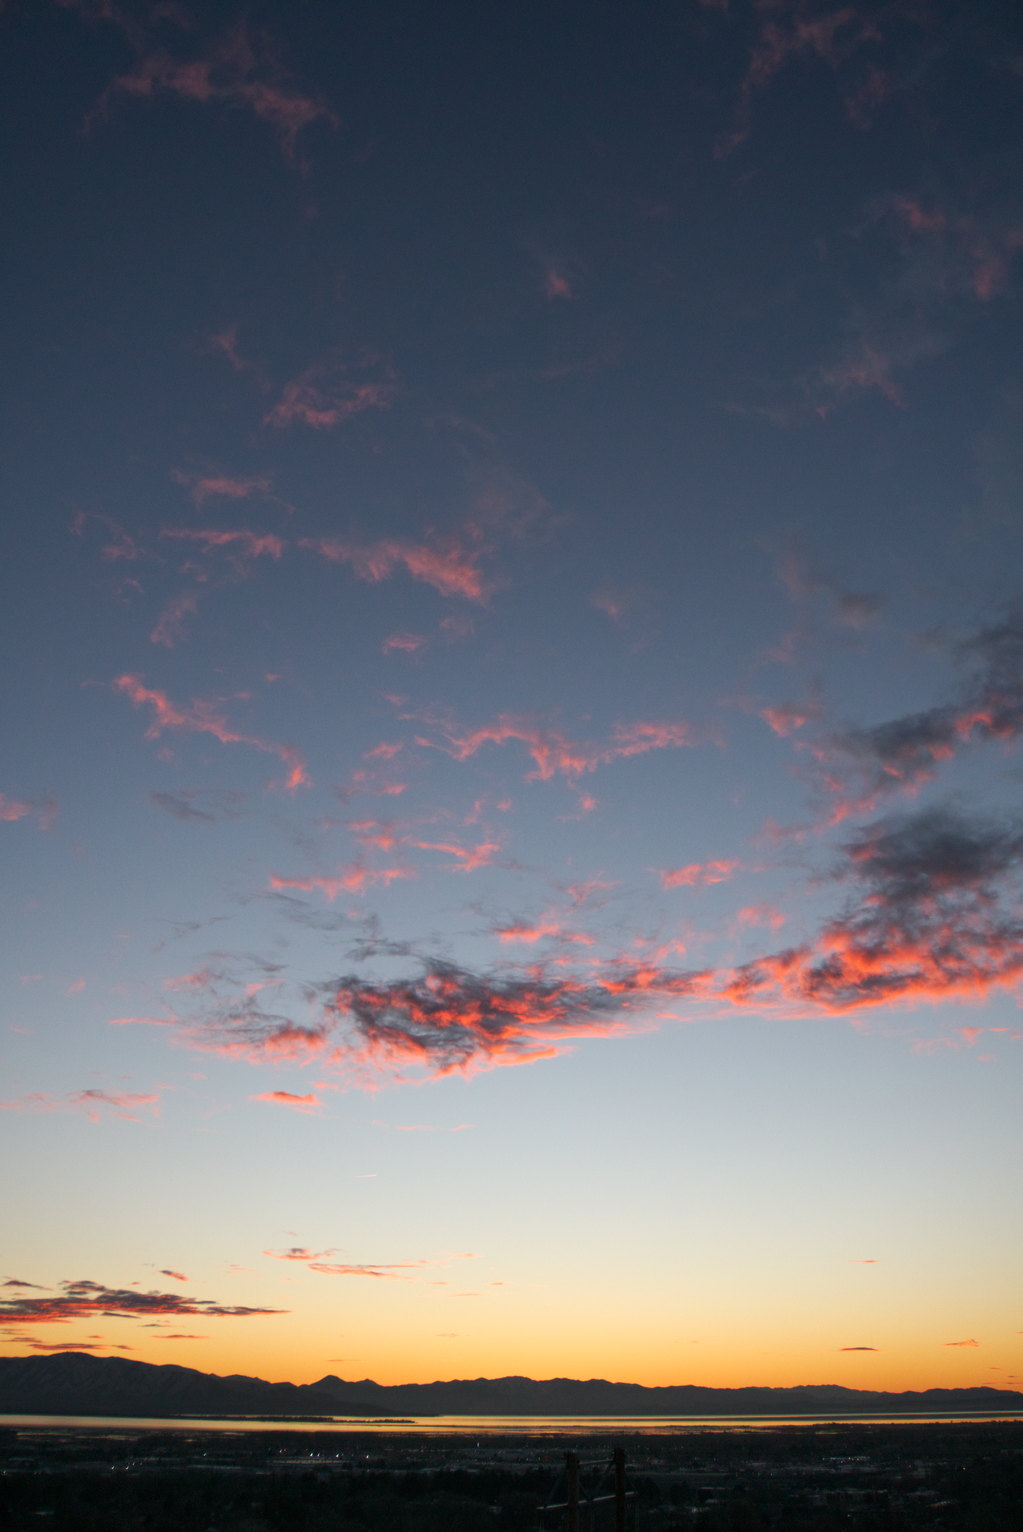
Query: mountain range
[76, 1383]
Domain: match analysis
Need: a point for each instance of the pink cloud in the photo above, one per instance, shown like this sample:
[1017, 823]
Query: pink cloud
[760, 915]
[371, 832]
[299, 1253]
[372, 783]
[226, 343]
[142, 1021]
[787, 717]
[123, 1104]
[308, 1103]
[203, 718]
[244, 544]
[540, 930]
[13, 809]
[556, 284]
[233, 73]
[324, 396]
[122, 546]
[176, 1276]
[403, 643]
[169, 629]
[354, 879]
[448, 566]
[469, 858]
[830, 37]
[556, 755]
[697, 874]
[210, 486]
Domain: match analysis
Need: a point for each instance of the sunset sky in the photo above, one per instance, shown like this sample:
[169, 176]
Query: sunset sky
[513, 556]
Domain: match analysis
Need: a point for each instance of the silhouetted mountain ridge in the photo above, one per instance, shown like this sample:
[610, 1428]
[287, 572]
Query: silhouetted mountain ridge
[76, 1383]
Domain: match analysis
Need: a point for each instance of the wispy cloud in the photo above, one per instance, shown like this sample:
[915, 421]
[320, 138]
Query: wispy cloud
[237, 71]
[905, 752]
[307, 1103]
[201, 717]
[243, 545]
[387, 1271]
[44, 809]
[467, 858]
[450, 565]
[325, 395]
[210, 486]
[555, 754]
[697, 874]
[95, 1103]
[353, 879]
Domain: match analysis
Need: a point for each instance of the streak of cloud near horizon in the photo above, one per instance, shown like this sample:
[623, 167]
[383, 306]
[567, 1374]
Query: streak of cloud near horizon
[514, 559]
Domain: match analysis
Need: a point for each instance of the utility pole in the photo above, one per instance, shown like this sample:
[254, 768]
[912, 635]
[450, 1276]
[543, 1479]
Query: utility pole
[619, 1467]
[572, 1478]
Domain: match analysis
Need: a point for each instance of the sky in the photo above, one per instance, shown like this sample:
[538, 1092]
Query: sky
[511, 794]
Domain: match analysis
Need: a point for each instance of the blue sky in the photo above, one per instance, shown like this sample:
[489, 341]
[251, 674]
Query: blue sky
[514, 533]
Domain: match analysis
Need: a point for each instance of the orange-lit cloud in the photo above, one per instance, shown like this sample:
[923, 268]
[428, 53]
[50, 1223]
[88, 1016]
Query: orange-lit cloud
[962, 1343]
[203, 718]
[176, 1276]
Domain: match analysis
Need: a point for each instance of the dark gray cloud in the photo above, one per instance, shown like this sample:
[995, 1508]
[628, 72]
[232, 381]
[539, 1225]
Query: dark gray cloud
[906, 751]
[85, 1299]
[933, 913]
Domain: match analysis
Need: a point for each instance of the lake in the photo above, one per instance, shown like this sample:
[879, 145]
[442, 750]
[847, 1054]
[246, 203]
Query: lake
[494, 1425]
